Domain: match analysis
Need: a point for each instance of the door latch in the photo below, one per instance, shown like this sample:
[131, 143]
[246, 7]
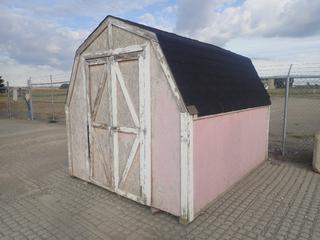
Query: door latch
[115, 128]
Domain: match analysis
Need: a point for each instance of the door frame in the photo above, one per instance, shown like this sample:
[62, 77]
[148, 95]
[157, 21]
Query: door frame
[142, 53]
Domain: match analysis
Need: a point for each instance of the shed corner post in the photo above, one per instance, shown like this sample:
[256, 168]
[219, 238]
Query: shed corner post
[268, 130]
[186, 166]
[69, 140]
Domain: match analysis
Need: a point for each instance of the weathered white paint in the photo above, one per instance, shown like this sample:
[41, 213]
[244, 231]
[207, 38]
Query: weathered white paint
[130, 159]
[85, 76]
[148, 126]
[126, 94]
[113, 52]
[191, 171]
[115, 123]
[102, 84]
[77, 119]
[142, 125]
[69, 141]
[166, 70]
[186, 164]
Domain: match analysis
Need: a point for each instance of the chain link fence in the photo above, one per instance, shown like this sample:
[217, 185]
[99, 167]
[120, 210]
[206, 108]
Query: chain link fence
[41, 99]
[293, 120]
[13, 102]
[295, 111]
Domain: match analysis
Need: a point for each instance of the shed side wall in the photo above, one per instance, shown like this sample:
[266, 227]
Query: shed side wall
[78, 119]
[78, 128]
[165, 142]
[227, 147]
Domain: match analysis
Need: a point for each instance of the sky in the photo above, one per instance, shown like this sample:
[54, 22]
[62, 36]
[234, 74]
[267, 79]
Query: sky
[39, 37]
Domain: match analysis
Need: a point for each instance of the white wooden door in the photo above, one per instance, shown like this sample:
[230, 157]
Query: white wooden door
[128, 84]
[123, 162]
[101, 140]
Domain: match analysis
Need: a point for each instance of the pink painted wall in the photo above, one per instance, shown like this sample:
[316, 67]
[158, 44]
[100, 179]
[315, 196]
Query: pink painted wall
[165, 143]
[226, 147]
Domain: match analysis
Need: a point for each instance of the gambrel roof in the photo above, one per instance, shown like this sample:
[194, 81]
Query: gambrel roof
[211, 79]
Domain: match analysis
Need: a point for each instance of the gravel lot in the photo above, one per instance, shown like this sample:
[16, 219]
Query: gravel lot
[39, 200]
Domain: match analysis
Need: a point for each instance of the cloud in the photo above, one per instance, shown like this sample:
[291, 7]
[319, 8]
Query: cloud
[162, 19]
[46, 33]
[29, 40]
[39, 37]
[219, 21]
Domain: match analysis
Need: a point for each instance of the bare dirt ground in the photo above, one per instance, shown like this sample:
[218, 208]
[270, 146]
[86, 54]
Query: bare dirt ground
[39, 200]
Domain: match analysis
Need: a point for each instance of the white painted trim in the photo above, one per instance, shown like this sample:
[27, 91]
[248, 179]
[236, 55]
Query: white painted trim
[166, 70]
[196, 118]
[95, 34]
[268, 129]
[85, 77]
[183, 166]
[131, 157]
[100, 125]
[75, 68]
[130, 196]
[191, 171]
[69, 141]
[147, 98]
[186, 165]
[119, 129]
[115, 123]
[96, 61]
[128, 130]
[142, 126]
[126, 95]
[113, 52]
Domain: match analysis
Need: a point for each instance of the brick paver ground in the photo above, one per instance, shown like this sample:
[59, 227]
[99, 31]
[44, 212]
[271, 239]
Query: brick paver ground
[39, 200]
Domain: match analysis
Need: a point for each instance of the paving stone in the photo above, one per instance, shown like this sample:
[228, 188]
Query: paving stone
[275, 201]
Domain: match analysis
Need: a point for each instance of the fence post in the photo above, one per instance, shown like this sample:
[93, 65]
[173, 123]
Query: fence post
[8, 101]
[30, 107]
[285, 112]
[52, 101]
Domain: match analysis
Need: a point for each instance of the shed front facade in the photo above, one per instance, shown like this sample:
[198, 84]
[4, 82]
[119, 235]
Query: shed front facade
[164, 120]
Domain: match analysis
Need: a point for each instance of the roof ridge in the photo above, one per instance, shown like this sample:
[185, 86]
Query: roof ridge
[153, 29]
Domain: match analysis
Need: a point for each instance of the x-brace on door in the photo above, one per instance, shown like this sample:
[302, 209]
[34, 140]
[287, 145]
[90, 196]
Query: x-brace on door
[119, 123]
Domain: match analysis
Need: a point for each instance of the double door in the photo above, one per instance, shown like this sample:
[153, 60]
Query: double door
[118, 124]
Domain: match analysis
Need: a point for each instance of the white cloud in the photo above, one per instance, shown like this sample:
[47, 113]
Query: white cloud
[17, 74]
[28, 40]
[40, 37]
[147, 19]
[219, 21]
[163, 18]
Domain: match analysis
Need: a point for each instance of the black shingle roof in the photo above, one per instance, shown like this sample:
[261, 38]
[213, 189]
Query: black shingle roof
[211, 78]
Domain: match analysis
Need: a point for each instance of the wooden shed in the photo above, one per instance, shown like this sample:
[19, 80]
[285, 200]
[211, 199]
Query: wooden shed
[164, 120]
